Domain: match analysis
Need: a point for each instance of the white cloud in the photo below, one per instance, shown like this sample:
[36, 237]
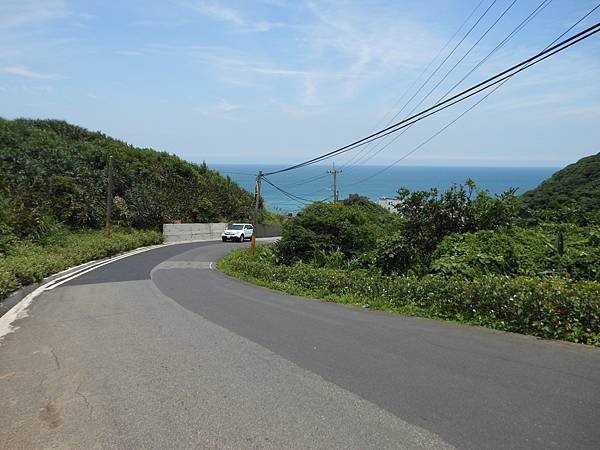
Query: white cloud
[219, 110]
[584, 112]
[219, 12]
[274, 71]
[225, 14]
[373, 40]
[17, 13]
[23, 71]
[263, 26]
[225, 106]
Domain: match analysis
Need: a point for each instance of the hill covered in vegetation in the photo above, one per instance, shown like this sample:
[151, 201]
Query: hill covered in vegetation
[55, 173]
[577, 184]
[53, 187]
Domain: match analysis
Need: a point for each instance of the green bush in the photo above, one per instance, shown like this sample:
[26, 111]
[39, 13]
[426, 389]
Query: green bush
[397, 253]
[549, 307]
[518, 251]
[328, 227]
[426, 217]
[27, 262]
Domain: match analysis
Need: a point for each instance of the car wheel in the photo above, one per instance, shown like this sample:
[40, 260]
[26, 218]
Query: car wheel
[242, 238]
[224, 239]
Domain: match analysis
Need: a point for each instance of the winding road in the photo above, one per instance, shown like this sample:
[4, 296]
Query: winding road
[159, 350]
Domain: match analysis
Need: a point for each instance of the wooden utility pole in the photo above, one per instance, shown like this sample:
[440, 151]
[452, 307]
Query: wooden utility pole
[109, 196]
[255, 218]
[334, 172]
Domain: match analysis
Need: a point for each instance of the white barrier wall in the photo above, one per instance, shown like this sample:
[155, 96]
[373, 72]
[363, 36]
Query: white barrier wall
[178, 232]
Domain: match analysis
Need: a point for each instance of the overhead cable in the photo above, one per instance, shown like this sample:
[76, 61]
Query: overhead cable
[461, 96]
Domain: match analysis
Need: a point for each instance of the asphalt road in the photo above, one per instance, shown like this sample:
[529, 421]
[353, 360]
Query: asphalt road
[158, 350]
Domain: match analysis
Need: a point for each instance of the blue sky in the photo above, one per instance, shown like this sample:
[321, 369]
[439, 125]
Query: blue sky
[278, 81]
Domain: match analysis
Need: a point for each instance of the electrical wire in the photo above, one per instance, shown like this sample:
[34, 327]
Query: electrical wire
[291, 196]
[461, 96]
[307, 180]
[519, 27]
[415, 149]
[427, 69]
[525, 21]
[365, 150]
[441, 80]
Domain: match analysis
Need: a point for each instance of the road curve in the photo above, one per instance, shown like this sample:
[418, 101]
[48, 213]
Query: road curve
[158, 350]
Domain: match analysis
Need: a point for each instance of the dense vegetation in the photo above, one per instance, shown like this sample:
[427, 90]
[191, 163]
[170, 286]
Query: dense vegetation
[549, 307]
[461, 254]
[55, 173]
[577, 184]
[53, 197]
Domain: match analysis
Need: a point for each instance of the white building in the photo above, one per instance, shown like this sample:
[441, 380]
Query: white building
[388, 203]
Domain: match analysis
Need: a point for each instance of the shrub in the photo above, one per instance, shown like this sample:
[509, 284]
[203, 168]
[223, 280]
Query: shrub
[397, 253]
[328, 227]
[550, 307]
[518, 251]
[426, 217]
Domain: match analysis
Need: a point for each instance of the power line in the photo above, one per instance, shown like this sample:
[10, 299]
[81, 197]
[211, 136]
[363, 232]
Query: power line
[523, 23]
[518, 28]
[291, 196]
[484, 85]
[365, 150]
[363, 154]
[425, 71]
[415, 149]
[441, 80]
[308, 180]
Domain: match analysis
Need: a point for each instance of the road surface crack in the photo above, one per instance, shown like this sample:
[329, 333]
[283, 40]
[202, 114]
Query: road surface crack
[89, 406]
[56, 361]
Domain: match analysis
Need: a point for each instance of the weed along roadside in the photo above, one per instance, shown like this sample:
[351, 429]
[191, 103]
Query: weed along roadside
[552, 308]
[30, 262]
[458, 255]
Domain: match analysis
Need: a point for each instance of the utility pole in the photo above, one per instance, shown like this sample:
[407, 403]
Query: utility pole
[109, 199]
[334, 172]
[255, 218]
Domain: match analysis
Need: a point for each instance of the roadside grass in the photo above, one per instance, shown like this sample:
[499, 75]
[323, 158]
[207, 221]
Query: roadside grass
[547, 307]
[26, 262]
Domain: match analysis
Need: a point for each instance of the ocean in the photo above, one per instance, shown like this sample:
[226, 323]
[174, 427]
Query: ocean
[314, 183]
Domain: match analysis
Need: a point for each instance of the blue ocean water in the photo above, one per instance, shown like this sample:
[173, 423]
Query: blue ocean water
[314, 183]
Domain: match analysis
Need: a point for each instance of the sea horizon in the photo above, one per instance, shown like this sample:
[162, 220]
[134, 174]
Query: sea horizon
[313, 183]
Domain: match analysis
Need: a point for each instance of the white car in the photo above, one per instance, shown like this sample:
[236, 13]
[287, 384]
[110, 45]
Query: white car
[237, 232]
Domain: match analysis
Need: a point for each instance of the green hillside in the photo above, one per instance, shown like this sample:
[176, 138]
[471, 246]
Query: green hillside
[577, 184]
[55, 173]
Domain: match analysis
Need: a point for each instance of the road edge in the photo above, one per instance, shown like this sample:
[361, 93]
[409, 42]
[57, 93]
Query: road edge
[20, 300]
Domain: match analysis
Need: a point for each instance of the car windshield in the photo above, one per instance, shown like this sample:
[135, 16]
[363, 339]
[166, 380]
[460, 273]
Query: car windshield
[235, 226]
